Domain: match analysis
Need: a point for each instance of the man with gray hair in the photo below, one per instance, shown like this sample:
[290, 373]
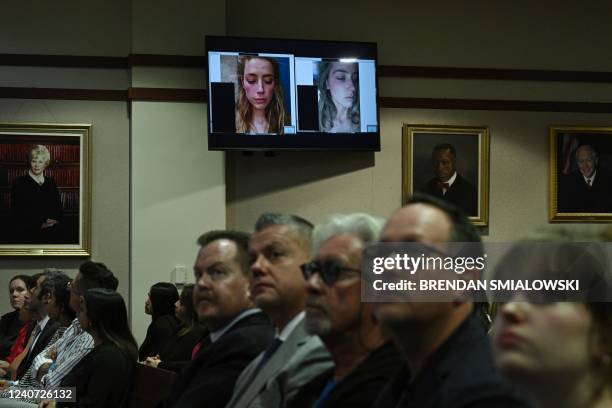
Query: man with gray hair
[588, 189]
[365, 359]
[279, 245]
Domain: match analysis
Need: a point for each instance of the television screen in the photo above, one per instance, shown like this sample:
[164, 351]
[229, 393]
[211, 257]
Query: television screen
[273, 94]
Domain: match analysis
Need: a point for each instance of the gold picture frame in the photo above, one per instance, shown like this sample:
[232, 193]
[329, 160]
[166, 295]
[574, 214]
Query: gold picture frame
[470, 186]
[45, 189]
[580, 193]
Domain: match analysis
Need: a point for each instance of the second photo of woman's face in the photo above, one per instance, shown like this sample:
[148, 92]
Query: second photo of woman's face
[17, 292]
[258, 82]
[542, 339]
[37, 165]
[341, 83]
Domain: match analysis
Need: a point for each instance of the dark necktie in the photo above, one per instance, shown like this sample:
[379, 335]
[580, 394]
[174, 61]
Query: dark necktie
[443, 185]
[268, 354]
[588, 180]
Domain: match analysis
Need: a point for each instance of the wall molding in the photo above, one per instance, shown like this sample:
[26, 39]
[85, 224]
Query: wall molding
[385, 71]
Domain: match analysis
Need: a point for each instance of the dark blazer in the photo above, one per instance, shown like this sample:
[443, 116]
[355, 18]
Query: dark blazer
[459, 374]
[42, 342]
[461, 193]
[209, 379]
[9, 329]
[102, 378]
[177, 354]
[160, 333]
[576, 196]
[360, 388]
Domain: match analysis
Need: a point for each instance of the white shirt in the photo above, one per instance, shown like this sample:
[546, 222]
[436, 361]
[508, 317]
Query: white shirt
[216, 335]
[592, 178]
[450, 183]
[41, 324]
[40, 179]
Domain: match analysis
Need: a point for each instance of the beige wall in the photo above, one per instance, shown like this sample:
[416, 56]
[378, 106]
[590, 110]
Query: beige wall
[178, 186]
[541, 35]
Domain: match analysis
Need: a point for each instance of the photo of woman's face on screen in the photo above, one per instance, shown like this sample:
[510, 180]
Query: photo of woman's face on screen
[261, 106]
[338, 84]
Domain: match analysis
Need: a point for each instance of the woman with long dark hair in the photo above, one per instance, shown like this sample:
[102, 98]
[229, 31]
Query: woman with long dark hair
[103, 377]
[164, 324]
[178, 352]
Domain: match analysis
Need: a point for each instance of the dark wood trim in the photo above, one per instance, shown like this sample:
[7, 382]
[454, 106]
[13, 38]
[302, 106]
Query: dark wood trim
[200, 96]
[384, 71]
[64, 94]
[153, 60]
[167, 94]
[67, 61]
[494, 74]
[495, 104]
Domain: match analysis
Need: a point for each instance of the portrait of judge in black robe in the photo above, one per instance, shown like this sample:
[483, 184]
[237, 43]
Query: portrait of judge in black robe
[447, 183]
[588, 188]
[36, 206]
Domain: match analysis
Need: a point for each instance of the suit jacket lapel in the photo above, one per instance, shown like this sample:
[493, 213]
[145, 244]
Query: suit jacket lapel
[278, 360]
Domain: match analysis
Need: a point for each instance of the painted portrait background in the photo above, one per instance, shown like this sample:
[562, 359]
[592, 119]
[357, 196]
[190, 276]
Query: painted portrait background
[63, 168]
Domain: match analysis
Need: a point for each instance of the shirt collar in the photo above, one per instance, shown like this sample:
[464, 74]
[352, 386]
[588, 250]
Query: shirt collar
[216, 335]
[289, 327]
[452, 179]
[38, 179]
[42, 323]
[592, 178]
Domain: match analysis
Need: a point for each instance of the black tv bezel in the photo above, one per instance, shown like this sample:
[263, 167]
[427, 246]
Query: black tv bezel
[369, 141]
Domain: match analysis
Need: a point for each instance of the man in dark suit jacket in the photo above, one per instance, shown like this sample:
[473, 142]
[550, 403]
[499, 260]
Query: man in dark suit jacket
[587, 189]
[45, 327]
[238, 331]
[448, 184]
[445, 348]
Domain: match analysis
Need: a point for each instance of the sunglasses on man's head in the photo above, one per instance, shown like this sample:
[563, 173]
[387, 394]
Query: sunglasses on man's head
[330, 270]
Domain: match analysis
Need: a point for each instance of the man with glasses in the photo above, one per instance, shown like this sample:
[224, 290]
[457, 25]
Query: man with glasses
[279, 245]
[446, 352]
[238, 331]
[365, 359]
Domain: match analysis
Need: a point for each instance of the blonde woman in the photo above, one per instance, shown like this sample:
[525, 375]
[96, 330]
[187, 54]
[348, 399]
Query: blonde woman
[35, 202]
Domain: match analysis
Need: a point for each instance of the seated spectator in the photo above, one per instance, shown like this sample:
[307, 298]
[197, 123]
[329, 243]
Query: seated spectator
[59, 358]
[444, 345]
[10, 323]
[22, 337]
[177, 353]
[365, 358]
[279, 245]
[44, 329]
[238, 331]
[102, 378]
[164, 325]
[559, 353]
[56, 299]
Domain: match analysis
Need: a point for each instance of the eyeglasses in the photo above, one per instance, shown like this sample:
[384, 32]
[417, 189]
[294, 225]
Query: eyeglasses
[330, 270]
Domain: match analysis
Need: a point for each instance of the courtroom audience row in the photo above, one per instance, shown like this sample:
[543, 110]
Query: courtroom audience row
[276, 319]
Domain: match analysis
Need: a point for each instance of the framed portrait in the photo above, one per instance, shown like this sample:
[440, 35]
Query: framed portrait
[449, 162]
[580, 174]
[45, 189]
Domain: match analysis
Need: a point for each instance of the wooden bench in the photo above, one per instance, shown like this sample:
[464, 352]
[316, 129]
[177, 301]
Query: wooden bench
[150, 386]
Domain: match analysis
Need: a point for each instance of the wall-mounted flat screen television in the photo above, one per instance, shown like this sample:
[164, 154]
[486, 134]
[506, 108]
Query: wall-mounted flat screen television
[276, 94]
